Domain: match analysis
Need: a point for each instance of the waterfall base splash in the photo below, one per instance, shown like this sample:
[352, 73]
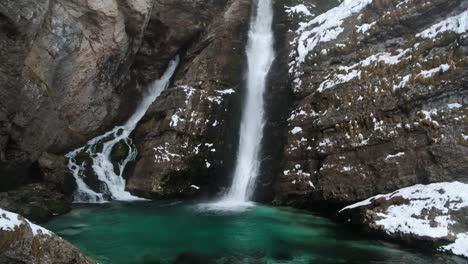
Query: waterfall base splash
[226, 206]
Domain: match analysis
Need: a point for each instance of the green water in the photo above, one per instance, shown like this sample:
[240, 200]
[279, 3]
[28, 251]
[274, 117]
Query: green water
[183, 233]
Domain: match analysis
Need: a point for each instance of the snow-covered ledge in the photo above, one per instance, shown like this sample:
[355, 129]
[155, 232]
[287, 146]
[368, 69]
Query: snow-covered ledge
[10, 222]
[435, 212]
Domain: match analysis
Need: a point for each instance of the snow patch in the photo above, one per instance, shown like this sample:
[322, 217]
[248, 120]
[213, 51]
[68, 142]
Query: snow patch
[328, 26]
[175, 119]
[403, 82]
[296, 130]
[365, 27]
[454, 106]
[460, 247]
[227, 91]
[457, 24]
[299, 9]
[339, 79]
[399, 154]
[409, 218]
[10, 221]
[429, 73]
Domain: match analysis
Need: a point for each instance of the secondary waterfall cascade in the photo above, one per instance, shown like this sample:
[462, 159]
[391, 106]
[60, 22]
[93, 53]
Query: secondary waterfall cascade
[97, 153]
[260, 56]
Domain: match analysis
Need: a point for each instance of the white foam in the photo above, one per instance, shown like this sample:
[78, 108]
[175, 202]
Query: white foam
[260, 56]
[112, 180]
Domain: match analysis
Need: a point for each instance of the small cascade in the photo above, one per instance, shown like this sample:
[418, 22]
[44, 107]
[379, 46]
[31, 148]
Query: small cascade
[260, 56]
[106, 156]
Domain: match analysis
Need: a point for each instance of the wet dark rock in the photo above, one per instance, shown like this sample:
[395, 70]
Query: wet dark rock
[37, 201]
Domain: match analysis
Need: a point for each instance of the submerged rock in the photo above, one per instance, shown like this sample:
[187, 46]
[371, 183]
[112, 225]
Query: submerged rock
[24, 242]
[435, 214]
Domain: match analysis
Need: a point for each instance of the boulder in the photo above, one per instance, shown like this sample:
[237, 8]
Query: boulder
[36, 201]
[24, 242]
[435, 214]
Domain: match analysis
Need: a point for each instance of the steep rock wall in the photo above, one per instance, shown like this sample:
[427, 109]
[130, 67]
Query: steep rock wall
[188, 137]
[378, 104]
[63, 66]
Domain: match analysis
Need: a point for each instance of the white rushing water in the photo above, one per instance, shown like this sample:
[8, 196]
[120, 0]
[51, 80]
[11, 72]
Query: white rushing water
[99, 149]
[260, 56]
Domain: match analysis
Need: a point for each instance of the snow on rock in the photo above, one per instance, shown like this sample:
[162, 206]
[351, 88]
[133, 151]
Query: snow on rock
[460, 247]
[351, 72]
[403, 82]
[457, 24]
[10, 221]
[175, 119]
[299, 9]
[433, 211]
[384, 57]
[365, 27]
[454, 106]
[163, 154]
[227, 91]
[429, 73]
[327, 26]
[339, 79]
[296, 130]
[394, 155]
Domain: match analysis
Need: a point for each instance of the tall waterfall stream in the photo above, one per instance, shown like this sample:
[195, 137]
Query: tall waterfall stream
[260, 56]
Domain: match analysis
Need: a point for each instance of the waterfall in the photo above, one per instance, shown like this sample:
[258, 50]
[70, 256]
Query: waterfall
[96, 156]
[260, 56]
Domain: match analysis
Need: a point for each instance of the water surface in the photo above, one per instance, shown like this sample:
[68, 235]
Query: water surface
[151, 232]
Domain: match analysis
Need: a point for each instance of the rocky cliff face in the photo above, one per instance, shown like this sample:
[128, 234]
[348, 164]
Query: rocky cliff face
[434, 215]
[379, 99]
[73, 69]
[63, 66]
[188, 138]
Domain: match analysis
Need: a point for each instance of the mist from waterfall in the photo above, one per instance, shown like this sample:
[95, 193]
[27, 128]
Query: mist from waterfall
[99, 150]
[260, 56]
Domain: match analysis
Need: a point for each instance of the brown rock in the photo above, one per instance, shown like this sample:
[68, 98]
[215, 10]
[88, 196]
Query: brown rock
[24, 242]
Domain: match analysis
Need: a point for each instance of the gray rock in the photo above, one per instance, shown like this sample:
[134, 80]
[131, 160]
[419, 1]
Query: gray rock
[375, 134]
